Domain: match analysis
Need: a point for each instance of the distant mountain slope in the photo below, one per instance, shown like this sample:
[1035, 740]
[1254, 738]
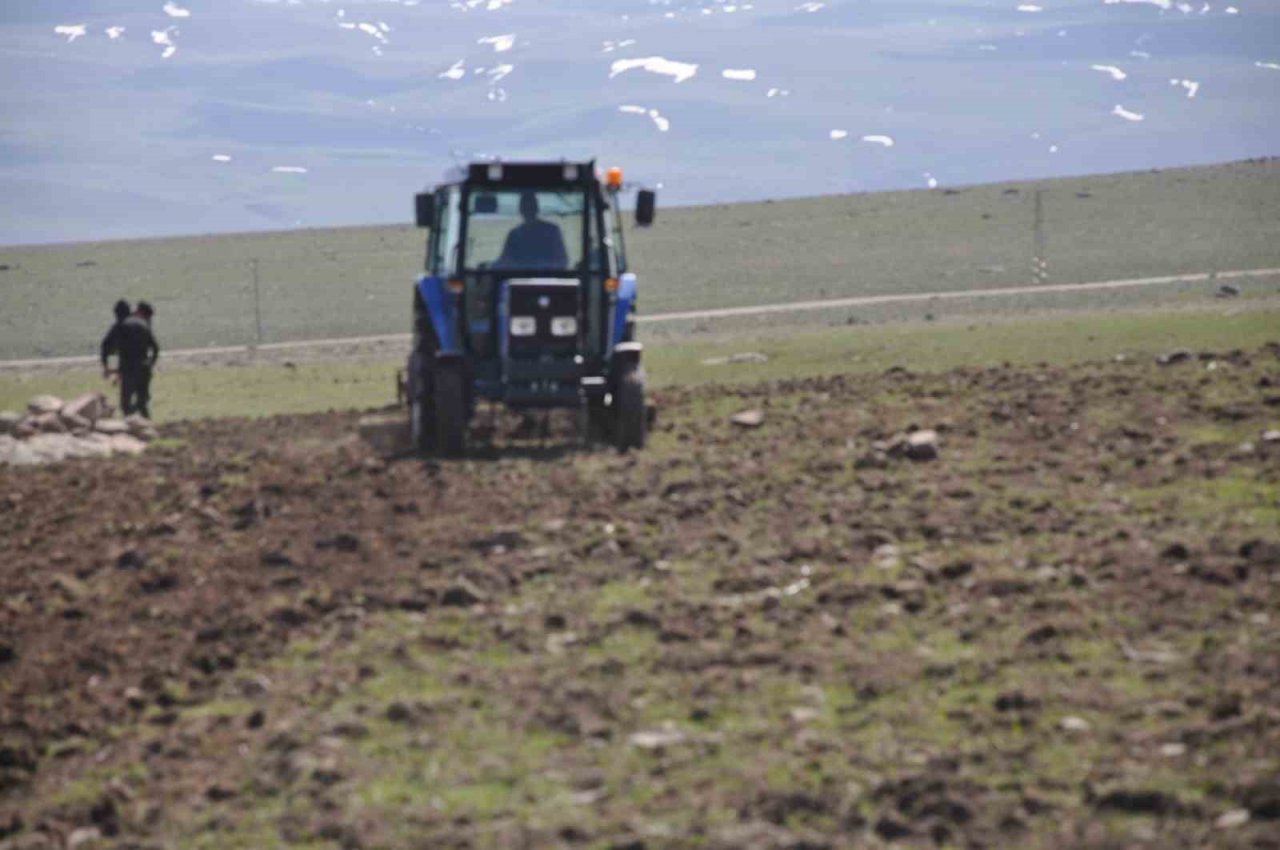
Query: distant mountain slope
[182, 111]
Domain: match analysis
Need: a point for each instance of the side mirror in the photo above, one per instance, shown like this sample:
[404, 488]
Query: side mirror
[646, 203]
[486, 204]
[425, 209]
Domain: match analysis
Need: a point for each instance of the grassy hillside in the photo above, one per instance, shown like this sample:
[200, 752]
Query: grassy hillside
[264, 388]
[321, 283]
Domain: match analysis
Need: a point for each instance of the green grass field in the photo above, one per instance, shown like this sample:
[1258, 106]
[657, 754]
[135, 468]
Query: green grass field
[354, 281]
[310, 386]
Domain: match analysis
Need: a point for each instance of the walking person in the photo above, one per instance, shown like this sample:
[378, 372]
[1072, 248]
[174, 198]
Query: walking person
[136, 352]
[111, 342]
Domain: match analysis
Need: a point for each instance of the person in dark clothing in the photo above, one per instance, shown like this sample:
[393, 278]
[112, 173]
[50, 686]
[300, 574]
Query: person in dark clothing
[534, 243]
[110, 342]
[136, 352]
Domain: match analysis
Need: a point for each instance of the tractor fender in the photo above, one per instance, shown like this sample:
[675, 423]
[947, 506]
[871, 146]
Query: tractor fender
[626, 354]
[442, 309]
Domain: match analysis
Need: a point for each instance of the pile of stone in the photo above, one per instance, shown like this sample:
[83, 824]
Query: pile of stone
[52, 430]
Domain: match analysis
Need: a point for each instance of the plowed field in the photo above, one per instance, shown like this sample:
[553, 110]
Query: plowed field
[1062, 631]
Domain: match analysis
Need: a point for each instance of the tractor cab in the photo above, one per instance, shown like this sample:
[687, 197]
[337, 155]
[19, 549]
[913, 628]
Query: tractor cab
[526, 300]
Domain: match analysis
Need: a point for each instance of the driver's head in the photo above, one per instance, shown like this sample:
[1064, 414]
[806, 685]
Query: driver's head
[529, 205]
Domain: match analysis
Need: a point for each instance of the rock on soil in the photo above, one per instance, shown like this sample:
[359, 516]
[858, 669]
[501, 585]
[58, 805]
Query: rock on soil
[55, 447]
[748, 418]
[657, 738]
[1178, 355]
[922, 445]
[52, 431]
[49, 423]
[125, 444]
[915, 445]
[29, 447]
[84, 837]
[75, 424]
[15, 452]
[141, 427]
[44, 404]
[91, 406]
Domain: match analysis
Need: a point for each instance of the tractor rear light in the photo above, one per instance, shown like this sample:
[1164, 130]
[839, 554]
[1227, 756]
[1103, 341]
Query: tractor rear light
[570, 173]
[495, 171]
[610, 284]
[564, 326]
[523, 326]
[456, 284]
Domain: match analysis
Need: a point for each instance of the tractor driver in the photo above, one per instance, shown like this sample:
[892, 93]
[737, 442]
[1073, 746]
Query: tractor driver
[534, 243]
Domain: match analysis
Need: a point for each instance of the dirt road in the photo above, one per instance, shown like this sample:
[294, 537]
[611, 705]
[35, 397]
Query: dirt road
[1059, 632]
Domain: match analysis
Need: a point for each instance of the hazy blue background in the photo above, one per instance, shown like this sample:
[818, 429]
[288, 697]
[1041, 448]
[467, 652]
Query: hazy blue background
[104, 137]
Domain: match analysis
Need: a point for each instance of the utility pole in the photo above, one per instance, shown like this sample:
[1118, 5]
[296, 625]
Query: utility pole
[257, 299]
[1039, 262]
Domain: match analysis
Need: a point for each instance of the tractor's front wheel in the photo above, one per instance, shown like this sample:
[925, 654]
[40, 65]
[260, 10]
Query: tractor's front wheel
[630, 420]
[450, 396]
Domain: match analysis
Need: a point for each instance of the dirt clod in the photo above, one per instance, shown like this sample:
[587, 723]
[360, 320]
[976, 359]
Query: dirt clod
[131, 559]
[462, 593]
[1015, 701]
[891, 829]
[1139, 801]
[341, 542]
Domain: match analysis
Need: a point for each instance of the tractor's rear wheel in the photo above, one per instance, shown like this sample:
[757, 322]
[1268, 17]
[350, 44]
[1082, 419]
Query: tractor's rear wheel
[419, 430]
[421, 410]
[630, 420]
[449, 392]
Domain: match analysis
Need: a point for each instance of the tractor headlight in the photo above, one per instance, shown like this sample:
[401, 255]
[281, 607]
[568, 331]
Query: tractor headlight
[564, 326]
[523, 326]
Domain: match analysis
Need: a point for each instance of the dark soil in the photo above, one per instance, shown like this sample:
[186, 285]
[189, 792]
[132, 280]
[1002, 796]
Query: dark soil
[1062, 631]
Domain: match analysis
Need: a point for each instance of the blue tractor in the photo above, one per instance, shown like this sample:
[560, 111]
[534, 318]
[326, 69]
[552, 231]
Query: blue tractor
[526, 301]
